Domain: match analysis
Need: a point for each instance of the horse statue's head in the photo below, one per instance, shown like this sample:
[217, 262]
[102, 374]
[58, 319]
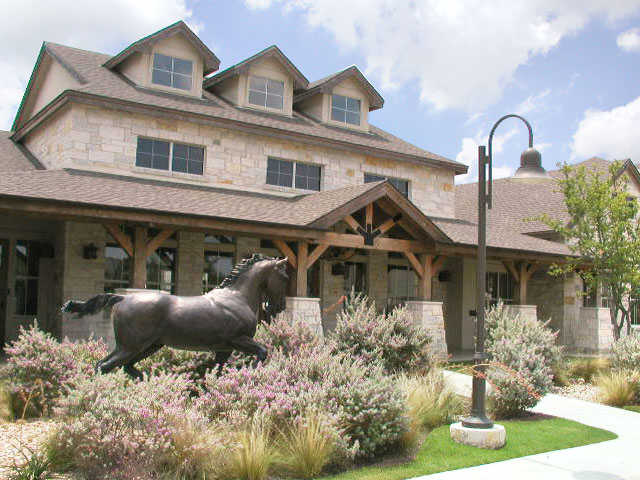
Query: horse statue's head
[276, 288]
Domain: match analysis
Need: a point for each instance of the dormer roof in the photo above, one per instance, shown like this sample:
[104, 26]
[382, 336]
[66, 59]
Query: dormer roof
[300, 81]
[211, 62]
[326, 84]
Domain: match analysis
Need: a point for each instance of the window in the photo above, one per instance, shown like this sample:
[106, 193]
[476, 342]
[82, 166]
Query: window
[402, 285]
[117, 268]
[355, 277]
[500, 286]
[265, 92]
[217, 265]
[282, 173]
[400, 184]
[589, 297]
[161, 268]
[27, 273]
[345, 109]
[172, 72]
[156, 153]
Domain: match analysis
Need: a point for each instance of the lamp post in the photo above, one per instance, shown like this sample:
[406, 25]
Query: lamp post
[530, 166]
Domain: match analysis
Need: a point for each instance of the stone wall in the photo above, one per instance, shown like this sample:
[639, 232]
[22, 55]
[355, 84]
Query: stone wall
[528, 312]
[190, 263]
[303, 309]
[430, 316]
[92, 138]
[547, 292]
[594, 334]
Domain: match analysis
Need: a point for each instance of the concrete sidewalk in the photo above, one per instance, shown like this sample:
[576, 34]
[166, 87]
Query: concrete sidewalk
[612, 460]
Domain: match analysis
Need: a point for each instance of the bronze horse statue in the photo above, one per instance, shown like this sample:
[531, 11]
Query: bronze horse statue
[222, 320]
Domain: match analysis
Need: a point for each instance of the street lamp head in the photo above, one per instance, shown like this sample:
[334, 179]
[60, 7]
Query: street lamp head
[531, 165]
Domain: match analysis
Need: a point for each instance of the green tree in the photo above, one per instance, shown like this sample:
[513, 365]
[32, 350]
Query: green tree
[603, 235]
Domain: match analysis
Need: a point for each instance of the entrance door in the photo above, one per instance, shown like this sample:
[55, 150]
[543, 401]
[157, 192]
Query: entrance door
[4, 287]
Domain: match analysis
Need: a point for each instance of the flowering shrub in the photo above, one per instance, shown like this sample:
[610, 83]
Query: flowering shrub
[287, 337]
[177, 362]
[39, 368]
[112, 422]
[361, 399]
[523, 352]
[392, 339]
[625, 353]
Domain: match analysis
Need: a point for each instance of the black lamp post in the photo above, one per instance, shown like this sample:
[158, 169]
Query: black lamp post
[530, 166]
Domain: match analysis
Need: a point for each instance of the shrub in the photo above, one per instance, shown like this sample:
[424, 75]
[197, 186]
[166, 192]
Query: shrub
[308, 444]
[617, 388]
[522, 351]
[35, 466]
[625, 353]
[290, 338]
[6, 408]
[39, 368]
[253, 456]
[115, 424]
[392, 339]
[430, 402]
[178, 362]
[588, 368]
[358, 397]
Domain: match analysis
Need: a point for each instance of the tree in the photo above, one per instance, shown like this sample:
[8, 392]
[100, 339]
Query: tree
[603, 235]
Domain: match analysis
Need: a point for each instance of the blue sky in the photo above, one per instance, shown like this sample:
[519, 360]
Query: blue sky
[447, 69]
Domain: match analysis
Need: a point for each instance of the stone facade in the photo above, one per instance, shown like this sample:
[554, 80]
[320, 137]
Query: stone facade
[190, 263]
[528, 312]
[430, 316]
[304, 309]
[594, 334]
[91, 138]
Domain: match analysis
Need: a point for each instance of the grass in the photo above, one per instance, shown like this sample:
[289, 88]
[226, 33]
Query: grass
[460, 367]
[524, 437]
[617, 389]
[633, 408]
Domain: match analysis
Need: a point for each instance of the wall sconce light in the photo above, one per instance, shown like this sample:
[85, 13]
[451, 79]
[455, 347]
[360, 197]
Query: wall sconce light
[90, 252]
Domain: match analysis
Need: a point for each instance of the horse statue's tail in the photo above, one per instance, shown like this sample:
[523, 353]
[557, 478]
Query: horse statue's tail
[93, 305]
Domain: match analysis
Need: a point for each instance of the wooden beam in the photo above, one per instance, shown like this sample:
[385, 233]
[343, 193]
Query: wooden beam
[119, 236]
[425, 284]
[158, 240]
[438, 264]
[379, 243]
[510, 266]
[139, 279]
[287, 252]
[369, 215]
[415, 263]
[301, 276]
[315, 255]
[352, 222]
[387, 225]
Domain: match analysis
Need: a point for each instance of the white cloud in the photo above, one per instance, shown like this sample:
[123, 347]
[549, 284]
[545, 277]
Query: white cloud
[629, 40]
[87, 24]
[258, 4]
[461, 52]
[469, 156]
[533, 103]
[612, 134]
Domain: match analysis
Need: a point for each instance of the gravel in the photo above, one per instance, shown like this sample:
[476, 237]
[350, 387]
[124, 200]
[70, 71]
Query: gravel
[18, 438]
[579, 390]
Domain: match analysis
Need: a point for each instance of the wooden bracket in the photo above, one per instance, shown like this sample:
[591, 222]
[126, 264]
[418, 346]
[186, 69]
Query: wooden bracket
[287, 252]
[119, 236]
[154, 243]
[317, 252]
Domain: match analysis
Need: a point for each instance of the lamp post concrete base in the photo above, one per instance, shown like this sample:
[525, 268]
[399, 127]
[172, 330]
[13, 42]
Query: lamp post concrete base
[491, 438]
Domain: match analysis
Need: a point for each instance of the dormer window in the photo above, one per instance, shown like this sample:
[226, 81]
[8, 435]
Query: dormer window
[266, 93]
[345, 109]
[172, 72]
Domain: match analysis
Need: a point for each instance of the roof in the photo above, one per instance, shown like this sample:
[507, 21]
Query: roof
[327, 83]
[14, 157]
[114, 90]
[211, 62]
[272, 51]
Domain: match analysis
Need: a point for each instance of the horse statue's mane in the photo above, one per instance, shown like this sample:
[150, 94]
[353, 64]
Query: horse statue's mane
[241, 268]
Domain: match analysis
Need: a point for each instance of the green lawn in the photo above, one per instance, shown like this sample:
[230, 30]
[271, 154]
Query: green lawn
[524, 437]
[633, 408]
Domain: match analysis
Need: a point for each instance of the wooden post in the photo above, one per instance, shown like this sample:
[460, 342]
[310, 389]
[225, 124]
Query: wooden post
[425, 285]
[524, 278]
[301, 274]
[139, 258]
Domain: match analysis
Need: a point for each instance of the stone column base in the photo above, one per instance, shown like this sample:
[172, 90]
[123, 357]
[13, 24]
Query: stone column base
[593, 332]
[430, 316]
[525, 311]
[491, 438]
[303, 309]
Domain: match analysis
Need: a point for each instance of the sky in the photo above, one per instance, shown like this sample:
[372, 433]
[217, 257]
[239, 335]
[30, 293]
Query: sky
[447, 69]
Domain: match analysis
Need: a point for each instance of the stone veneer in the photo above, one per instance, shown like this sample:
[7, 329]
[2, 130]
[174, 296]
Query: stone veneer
[303, 309]
[92, 138]
[525, 311]
[594, 333]
[430, 316]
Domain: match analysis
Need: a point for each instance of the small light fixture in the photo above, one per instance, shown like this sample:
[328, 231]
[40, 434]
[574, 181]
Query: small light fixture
[90, 252]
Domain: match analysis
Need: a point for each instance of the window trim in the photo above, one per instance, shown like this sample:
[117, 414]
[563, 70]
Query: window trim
[171, 87]
[293, 175]
[170, 169]
[282, 110]
[345, 123]
[387, 177]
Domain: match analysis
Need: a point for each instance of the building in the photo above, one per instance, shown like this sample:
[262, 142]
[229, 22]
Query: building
[151, 169]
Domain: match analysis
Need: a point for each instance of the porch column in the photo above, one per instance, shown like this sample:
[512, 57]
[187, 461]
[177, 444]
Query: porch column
[301, 277]
[139, 279]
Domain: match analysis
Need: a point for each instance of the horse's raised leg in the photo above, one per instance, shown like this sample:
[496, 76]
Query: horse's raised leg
[115, 359]
[249, 345]
[98, 368]
[129, 366]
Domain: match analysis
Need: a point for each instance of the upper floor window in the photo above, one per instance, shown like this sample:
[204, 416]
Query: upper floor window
[265, 92]
[172, 72]
[156, 154]
[345, 109]
[283, 172]
[399, 183]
